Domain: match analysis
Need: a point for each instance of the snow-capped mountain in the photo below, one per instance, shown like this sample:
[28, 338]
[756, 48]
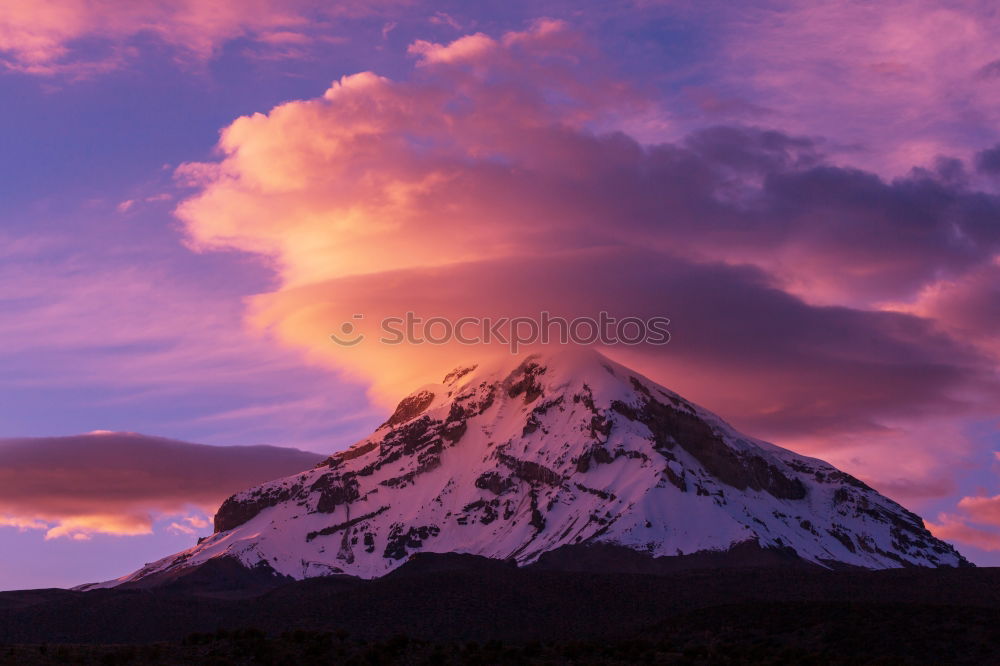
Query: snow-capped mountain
[517, 459]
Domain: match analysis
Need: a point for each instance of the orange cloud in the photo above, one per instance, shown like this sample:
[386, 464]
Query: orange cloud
[121, 483]
[379, 174]
[975, 525]
[81, 528]
[982, 509]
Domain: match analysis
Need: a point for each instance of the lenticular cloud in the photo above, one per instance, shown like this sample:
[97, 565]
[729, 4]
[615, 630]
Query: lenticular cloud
[491, 182]
[121, 483]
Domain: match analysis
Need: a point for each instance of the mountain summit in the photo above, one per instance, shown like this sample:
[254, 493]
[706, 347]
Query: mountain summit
[556, 451]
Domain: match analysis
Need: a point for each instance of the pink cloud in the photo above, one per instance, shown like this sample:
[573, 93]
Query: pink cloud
[982, 509]
[955, 529]
[464, 49]
[904, 81]
[482, 186]
[968, 306]
[510, 145]
[443, 18]
[975, 524]
[41, 38]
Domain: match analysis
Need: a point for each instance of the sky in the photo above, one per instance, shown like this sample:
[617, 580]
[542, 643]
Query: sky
[194, 195]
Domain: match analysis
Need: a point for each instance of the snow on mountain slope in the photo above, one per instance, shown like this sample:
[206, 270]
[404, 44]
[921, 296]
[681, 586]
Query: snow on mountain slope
[567, 448]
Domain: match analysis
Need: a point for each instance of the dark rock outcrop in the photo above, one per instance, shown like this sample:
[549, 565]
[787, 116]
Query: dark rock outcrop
[237, 510]
[409, 408]
[675, 425]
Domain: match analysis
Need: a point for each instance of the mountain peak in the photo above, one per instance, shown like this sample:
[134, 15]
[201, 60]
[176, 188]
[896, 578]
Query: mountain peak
[565, 363]
[527, 455]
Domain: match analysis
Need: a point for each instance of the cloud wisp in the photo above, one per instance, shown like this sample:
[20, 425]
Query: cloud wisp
[895, 83]
[79, 38]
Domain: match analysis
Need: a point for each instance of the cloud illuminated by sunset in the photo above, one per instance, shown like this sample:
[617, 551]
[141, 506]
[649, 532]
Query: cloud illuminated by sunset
[45, 38]
[119, 483]
[479, 185]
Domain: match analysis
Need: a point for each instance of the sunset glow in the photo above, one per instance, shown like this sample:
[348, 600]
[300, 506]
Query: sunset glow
[196, 195]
